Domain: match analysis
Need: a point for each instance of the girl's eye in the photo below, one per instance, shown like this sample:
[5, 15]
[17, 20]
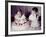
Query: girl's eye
[20, 24]
[16, 23]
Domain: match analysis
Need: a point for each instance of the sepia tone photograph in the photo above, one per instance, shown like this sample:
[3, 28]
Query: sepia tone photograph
[25, 18]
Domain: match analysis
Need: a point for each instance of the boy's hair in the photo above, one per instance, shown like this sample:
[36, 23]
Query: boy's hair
[35, 9]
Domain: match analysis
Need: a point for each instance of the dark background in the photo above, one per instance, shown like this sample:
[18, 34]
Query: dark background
[23, 8]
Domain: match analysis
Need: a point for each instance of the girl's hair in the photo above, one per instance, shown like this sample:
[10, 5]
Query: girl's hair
[12, 19]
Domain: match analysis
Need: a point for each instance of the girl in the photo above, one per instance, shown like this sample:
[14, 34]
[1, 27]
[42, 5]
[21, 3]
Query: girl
[17, 17]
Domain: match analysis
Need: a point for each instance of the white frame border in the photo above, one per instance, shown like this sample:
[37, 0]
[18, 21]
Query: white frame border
[23, 32]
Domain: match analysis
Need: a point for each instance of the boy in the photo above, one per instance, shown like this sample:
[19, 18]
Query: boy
[34, 25]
